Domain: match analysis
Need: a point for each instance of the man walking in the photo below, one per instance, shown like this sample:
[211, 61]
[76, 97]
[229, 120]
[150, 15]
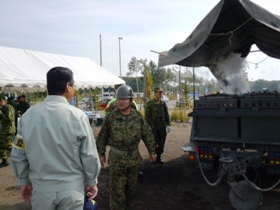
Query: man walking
[122, 130]
[157, 117]
[57, 149]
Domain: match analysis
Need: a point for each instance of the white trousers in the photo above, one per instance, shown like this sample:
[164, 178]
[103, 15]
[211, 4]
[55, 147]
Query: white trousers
[60, 200]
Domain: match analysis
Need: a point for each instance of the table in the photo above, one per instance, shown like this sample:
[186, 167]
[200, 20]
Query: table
[94, 116]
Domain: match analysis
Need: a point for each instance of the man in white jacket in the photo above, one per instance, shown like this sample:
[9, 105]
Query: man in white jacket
[57, 150]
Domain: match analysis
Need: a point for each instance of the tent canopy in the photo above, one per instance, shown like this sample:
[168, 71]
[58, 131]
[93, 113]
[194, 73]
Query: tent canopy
[26, 70]
[232, 26]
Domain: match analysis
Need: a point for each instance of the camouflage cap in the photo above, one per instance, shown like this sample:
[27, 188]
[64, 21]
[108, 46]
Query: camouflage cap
[158, 89]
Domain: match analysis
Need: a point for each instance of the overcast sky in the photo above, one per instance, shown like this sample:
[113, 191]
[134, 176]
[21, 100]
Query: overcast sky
[72, 27]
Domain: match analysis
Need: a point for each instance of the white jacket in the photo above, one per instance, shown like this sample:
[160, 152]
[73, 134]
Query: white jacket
[60, 150]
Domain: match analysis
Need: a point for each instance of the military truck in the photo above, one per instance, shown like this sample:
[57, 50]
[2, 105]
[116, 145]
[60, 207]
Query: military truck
[235, 130]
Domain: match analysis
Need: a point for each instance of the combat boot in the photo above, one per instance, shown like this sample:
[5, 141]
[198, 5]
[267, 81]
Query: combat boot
[159, 160]
[4, 163]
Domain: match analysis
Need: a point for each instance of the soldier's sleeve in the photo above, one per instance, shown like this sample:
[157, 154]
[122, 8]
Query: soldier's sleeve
[9, 115]
[20, 164]
[148, 113]
[103, 137]
[166, 115]
[148, 137]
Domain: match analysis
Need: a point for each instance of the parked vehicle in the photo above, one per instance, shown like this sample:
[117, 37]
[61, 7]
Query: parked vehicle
[86, 99]
[104, 102]
[108, 95]
[164, 98]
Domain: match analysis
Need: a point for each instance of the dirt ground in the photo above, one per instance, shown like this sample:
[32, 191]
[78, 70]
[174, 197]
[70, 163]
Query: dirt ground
[177, 184]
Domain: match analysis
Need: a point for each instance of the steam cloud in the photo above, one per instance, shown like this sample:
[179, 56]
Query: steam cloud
[230, 74]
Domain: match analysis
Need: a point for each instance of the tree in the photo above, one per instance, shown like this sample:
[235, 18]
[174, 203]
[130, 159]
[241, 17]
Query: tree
[148, 82]
[258, 85]
[132, 83]
[158, 74]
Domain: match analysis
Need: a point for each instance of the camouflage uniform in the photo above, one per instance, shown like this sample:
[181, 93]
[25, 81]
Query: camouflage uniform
[8, 129]
[123, 133]
[157, 117]
[13, 104]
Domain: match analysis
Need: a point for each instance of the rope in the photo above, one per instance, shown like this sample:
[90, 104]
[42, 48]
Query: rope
[231, 32]
[256, 64]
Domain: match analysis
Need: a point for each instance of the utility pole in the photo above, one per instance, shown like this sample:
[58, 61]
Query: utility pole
[100, 49]
[180, 88]
[136, 66]
[120, 61]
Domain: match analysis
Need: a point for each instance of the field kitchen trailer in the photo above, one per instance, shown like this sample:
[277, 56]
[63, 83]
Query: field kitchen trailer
[237, 129]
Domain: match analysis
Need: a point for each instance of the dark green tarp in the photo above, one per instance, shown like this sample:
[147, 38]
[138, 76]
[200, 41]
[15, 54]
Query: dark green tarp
[231, 26]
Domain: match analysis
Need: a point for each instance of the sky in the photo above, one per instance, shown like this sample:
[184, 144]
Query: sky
[71, 27]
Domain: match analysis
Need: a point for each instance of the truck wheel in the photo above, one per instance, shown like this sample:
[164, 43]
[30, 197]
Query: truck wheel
[251, 197]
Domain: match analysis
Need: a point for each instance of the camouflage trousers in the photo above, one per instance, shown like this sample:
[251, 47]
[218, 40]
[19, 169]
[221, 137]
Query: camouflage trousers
[5, 144]
[159, 132]
[122, 182]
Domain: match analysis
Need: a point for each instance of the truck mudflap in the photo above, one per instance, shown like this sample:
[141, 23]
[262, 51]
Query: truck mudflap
[242, 196]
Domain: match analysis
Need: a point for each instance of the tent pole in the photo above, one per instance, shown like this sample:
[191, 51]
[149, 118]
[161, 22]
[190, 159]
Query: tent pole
[193, 86]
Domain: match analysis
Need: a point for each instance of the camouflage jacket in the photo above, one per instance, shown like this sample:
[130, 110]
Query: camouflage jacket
[13, 104]
[124, 133]
[156, 113]
[8, 119]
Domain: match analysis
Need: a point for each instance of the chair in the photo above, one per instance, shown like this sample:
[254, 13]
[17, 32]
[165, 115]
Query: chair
[97, 126]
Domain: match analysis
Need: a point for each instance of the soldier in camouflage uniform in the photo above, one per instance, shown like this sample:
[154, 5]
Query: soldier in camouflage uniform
[157, 117]
[13, 104]
[122, 130]
[7, 118]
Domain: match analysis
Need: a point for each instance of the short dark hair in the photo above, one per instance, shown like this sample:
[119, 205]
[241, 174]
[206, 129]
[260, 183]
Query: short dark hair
[57, 79]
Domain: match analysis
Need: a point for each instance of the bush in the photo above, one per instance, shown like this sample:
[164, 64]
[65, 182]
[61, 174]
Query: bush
[179, 115]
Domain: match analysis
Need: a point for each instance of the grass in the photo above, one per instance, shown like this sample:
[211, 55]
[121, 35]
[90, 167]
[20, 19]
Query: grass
[177, 115]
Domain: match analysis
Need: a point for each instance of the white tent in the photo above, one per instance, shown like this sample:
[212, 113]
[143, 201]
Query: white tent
[26, 70]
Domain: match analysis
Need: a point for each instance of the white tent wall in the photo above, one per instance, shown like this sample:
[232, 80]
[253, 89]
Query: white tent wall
[25, 70]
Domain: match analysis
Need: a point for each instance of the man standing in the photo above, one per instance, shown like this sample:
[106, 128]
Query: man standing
[157, 117]
[111, 106]
[7, 118]
[122, 130]
[23, 104]
[57, 150]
